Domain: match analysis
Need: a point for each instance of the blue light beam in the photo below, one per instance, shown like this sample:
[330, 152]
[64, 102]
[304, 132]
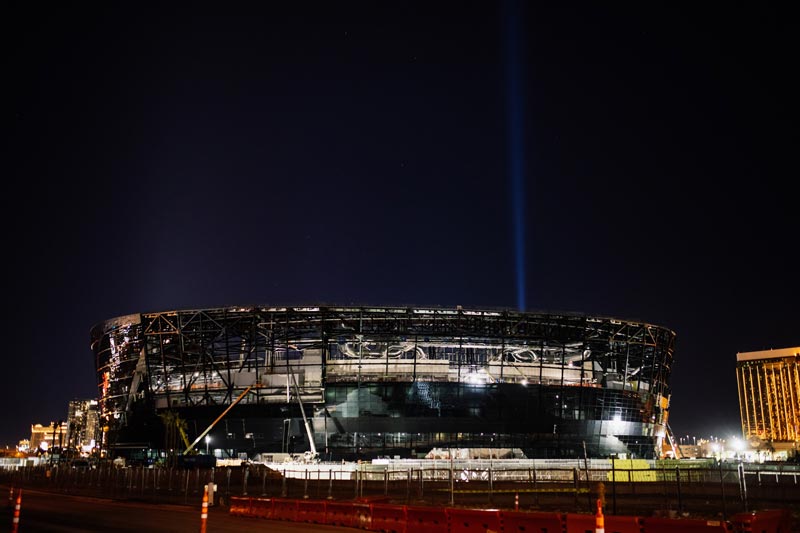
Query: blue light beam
[514, 120]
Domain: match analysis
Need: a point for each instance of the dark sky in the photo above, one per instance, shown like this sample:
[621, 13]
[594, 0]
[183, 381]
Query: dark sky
[183, 156]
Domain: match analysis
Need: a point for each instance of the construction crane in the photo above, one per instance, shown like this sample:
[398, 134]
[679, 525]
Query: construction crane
[191, 446]
[676, 451]
[312, 456]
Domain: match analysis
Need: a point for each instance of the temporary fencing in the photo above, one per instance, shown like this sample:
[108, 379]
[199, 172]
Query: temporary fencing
[389, 518]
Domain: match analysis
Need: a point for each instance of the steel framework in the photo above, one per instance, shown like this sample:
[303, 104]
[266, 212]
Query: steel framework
[391, 379]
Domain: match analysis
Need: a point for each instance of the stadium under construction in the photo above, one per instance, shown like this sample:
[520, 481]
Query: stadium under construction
[367, 382]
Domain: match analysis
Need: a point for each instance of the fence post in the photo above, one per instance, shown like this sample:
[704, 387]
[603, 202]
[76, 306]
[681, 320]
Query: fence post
[722, 491]
[742, 486]
[452, 482]
[245, 476]
[491, 483]
[678, 485]
[575, 484]
[614, 485]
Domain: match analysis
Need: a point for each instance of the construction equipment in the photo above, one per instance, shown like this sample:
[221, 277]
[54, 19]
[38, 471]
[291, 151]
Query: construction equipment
[191, 446]
[311, 456]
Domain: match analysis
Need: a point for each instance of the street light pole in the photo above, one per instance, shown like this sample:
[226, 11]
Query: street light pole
[208, 439]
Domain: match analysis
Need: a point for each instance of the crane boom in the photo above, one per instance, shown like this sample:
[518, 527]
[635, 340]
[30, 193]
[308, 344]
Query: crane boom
[203, 434]
[305, 419]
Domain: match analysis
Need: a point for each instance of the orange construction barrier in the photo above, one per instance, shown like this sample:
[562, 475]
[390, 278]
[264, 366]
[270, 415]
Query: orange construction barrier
[17, 506]
[766, 521]
[261, 507]
[473, 520]
[284, 510]
[427, 520]
[684, 525]
[388, 518]
[341, 514]
[532, 521]
[240, 506]
[362, 517]
[204, 512]
[311, 511]
[581, 523]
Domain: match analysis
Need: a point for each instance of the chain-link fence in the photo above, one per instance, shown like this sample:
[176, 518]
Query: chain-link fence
[670, 488]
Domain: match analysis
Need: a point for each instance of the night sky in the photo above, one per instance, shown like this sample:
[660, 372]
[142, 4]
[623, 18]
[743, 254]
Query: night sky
[278, 153]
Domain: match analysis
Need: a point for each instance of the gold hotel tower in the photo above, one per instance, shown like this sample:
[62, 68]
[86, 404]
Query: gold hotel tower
[769, 394]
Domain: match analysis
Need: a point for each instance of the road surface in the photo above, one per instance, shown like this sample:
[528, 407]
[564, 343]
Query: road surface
[44, 512]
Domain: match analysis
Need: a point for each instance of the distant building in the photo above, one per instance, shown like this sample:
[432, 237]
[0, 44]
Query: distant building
[46, 437]
[83, 425]
[769, 396]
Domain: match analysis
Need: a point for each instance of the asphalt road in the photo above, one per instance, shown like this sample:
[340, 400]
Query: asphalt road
[44, 512]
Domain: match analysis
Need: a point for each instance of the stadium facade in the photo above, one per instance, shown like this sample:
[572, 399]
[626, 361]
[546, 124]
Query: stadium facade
[386, 381]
